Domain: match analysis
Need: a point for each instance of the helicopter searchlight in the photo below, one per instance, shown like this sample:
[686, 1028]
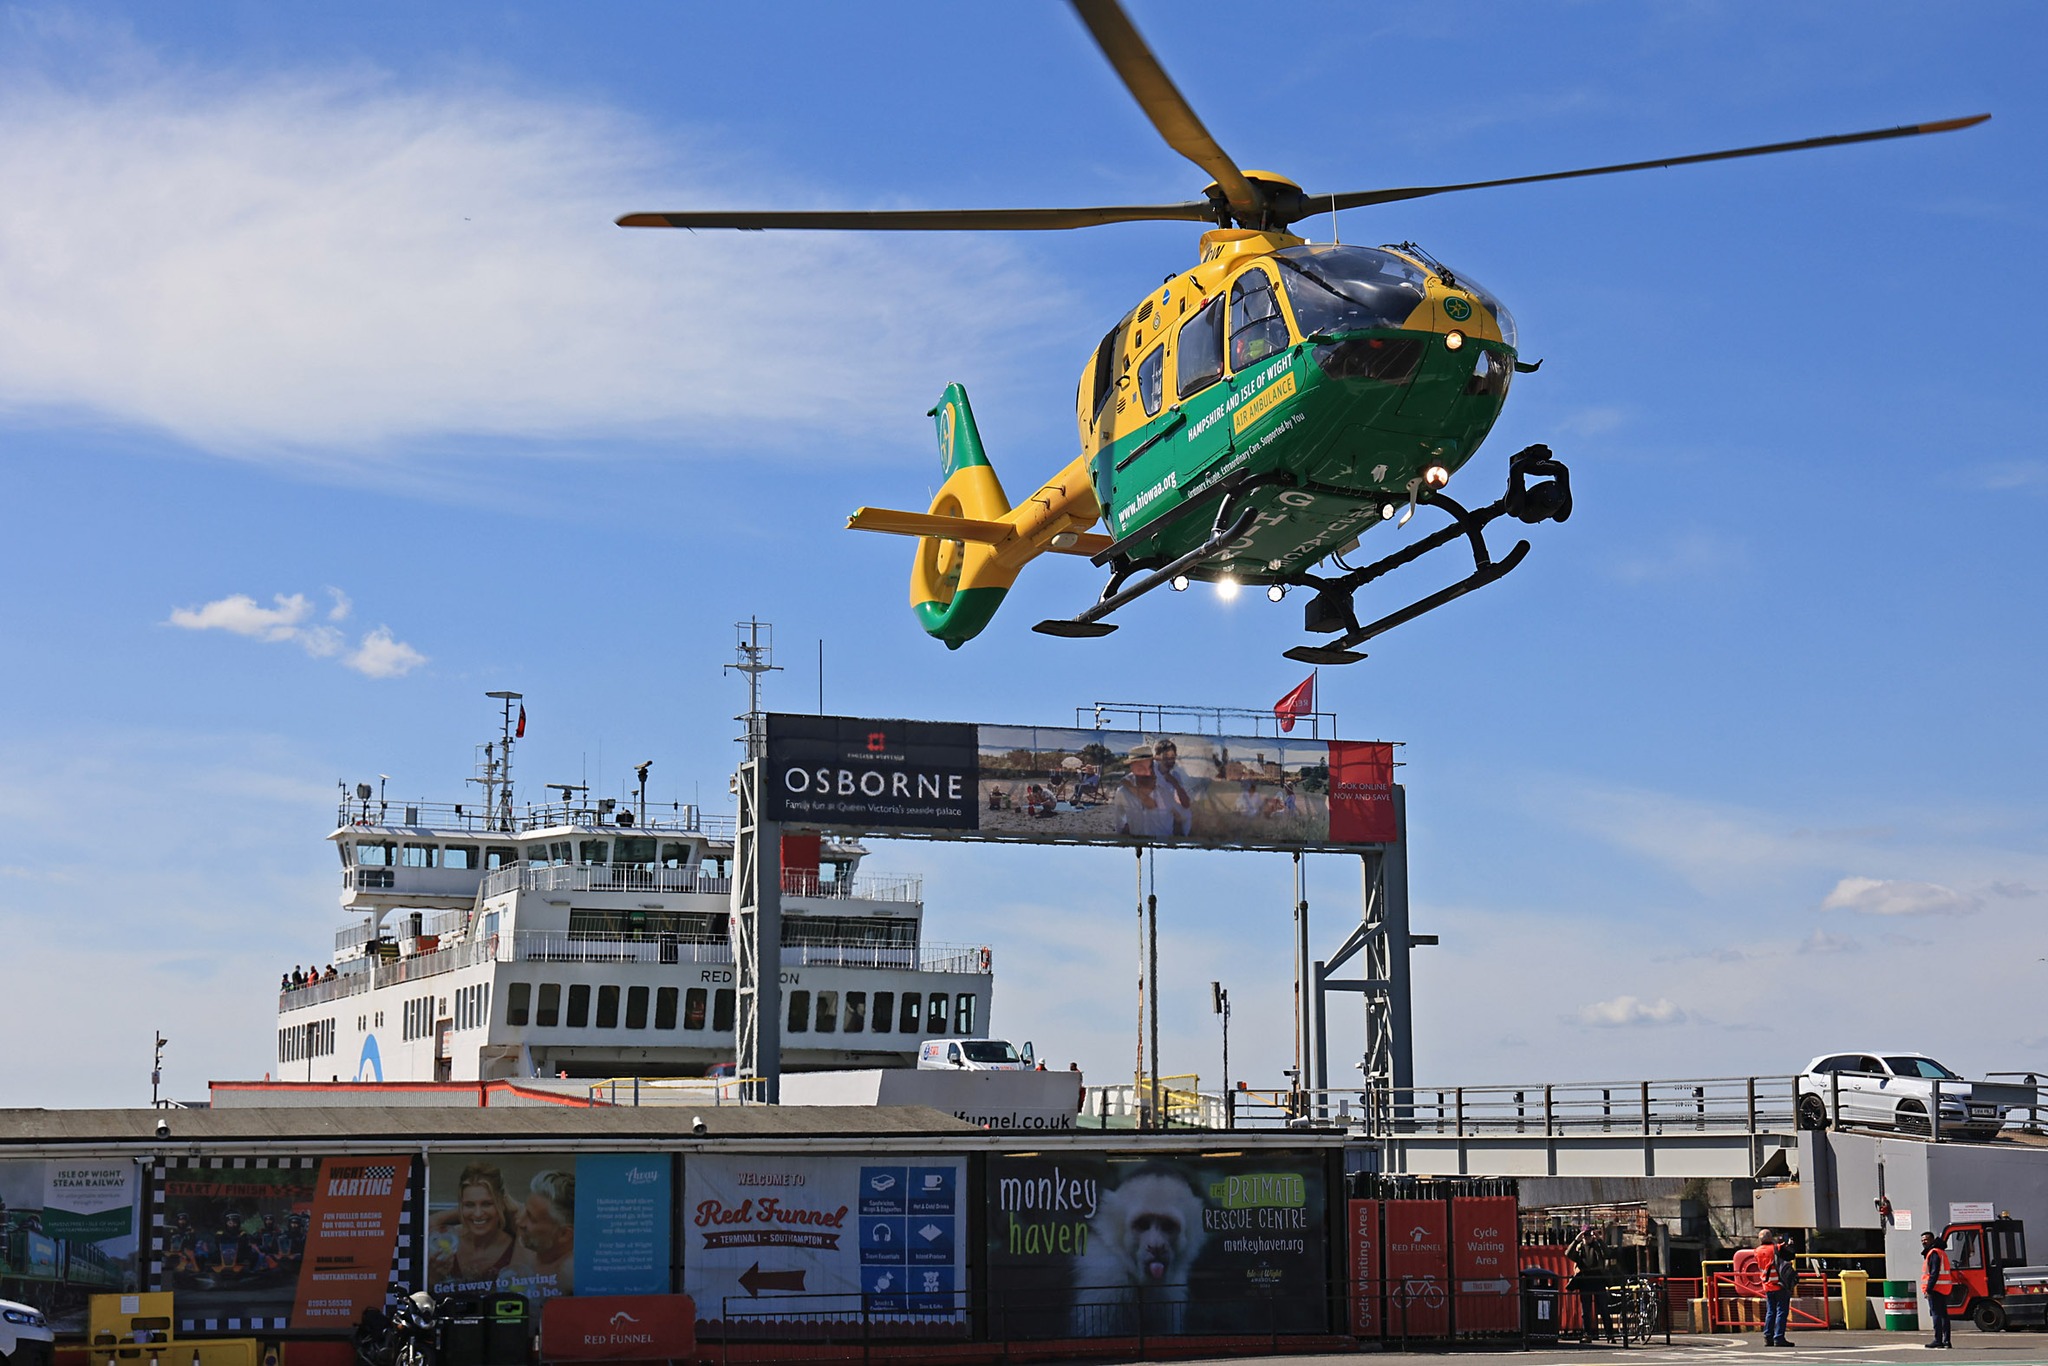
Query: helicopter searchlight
[1250, 419]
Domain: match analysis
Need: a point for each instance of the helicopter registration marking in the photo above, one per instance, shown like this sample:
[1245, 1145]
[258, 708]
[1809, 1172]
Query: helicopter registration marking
[1266, 402]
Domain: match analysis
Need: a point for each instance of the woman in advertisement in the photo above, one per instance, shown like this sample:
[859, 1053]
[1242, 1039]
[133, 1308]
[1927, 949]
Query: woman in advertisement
[473, 1242]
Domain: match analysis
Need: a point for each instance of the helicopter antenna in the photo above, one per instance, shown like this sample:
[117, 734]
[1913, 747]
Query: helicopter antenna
[756, 657]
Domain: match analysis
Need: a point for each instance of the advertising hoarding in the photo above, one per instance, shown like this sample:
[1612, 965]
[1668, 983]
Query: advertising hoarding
[278, 1243]
[825, 1235]
[69, 1226]
[1418, 1268]
[1366, 1292]
[1037, 784]
[548, 1224]
[1486, 1262]
[1090, 1245]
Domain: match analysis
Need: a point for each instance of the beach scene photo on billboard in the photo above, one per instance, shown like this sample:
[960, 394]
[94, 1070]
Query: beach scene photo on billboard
[1153, 787]
[502, 1222]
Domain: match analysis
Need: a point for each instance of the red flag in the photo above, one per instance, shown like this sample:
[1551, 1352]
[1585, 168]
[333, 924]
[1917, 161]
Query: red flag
[1296, 704]
[520, 734]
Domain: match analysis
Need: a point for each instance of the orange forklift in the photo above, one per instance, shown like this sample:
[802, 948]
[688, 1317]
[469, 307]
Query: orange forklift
[1995, 1288]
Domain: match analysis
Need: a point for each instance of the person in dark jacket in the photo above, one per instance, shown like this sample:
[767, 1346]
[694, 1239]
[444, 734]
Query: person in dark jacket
[1588, 1254]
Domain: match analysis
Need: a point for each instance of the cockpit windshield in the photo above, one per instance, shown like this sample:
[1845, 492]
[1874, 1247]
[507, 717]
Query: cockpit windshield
[1347, 289]
[1491, 302]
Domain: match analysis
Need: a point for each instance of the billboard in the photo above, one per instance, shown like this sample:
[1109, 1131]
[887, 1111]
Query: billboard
[548, 1224]
[1092, 1245]
[1044, 785]
[283, 1243]
[69, 1226]
[774, 1237]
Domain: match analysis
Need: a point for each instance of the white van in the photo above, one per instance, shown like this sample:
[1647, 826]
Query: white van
[974, 1055]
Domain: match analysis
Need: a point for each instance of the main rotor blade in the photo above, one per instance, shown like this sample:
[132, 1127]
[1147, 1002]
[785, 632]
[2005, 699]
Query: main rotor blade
[1360, 198]
[932, 220]
[1162, 101]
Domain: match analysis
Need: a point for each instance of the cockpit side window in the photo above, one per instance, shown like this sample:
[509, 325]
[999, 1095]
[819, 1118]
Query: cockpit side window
[1151, 380]
[1198, 355]
[1257, 329]
[1105, 372]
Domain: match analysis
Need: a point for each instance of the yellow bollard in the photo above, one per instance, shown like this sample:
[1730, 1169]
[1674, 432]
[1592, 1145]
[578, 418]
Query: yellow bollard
[1855, 1300]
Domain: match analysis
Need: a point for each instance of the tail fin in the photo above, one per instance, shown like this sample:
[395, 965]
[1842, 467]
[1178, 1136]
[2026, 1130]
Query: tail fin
[956, 586]
[972, 543]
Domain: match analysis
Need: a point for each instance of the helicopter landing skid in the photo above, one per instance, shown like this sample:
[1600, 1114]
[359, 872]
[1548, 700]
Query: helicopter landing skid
[1090, 623]
[1331, 608]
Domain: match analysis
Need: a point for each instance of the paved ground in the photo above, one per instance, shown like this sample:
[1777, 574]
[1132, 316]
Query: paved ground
[1727, 1349]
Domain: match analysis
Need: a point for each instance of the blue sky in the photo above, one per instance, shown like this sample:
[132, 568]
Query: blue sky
[321, 307]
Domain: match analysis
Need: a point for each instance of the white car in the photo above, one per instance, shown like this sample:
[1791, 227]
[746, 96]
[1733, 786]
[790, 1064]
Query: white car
[1895, 1091]
[25, 1336]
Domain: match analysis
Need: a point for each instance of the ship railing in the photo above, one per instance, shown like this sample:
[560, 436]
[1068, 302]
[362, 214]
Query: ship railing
[476, 819]
[354, 936]
[625, 877]
[384, 974]
[546, 947]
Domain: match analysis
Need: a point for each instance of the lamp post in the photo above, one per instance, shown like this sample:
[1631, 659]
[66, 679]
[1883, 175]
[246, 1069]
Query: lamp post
[156, 1070]
[1219, 1002]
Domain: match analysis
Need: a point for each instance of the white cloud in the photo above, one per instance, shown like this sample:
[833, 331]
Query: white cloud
[239, 613]
[323, 266]
[377, 655]
[1629, 1011]
[1882, 896]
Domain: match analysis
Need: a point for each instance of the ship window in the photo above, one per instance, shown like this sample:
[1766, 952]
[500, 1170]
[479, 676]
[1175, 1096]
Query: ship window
[1198, 355]
[885, 1004]
[1257, 329]
[635, 850]
[490, 923]
[608, 1007]
[370, 855]
[558, 851]
[674, 855]
[416, 856]
[935, 1013]
[636, 1007]
[498, 856]
[1152, 380]
[343, 850]
[665, 1008]
[459, 856]
[856, 1011]
[579, 1007]
[548, 1013]
[828, 1011]
[911, 1003]
[721, 1010]
[592, 851]
[963, 1014]
[799, 1011]
[693, 1009]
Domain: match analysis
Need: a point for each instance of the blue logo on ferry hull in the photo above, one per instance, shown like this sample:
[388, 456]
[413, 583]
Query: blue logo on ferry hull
[371, 1061]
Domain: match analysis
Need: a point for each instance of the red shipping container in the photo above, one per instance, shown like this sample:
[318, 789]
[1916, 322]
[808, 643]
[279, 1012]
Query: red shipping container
[1365, 1291]
[1484, 1254]
[1418, 1269]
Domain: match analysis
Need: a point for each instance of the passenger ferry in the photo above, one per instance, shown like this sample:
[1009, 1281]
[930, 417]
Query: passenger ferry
[591, 939]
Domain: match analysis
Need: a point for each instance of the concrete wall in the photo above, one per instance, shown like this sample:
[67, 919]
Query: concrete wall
[1841, 1177]
[995, 1100]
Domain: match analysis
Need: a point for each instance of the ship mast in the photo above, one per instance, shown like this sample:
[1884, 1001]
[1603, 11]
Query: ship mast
[756, 656]
[495, 772]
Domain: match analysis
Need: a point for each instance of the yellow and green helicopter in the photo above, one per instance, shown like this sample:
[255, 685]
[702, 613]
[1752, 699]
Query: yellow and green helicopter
[1253, 417]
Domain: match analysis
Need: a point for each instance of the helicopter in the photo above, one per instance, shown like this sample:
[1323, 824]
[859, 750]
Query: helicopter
[1247, 422]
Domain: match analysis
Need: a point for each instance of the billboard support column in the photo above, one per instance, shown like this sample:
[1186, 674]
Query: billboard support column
[757, 937]
[1304, 989]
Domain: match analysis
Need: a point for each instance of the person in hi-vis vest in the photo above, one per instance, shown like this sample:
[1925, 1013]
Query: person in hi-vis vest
[1937, 1283]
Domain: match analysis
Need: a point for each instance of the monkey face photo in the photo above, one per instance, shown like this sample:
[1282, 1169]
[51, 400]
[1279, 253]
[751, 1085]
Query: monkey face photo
[1081, 1245]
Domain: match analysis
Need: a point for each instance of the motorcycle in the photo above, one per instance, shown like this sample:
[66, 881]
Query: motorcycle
[406, 1334]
